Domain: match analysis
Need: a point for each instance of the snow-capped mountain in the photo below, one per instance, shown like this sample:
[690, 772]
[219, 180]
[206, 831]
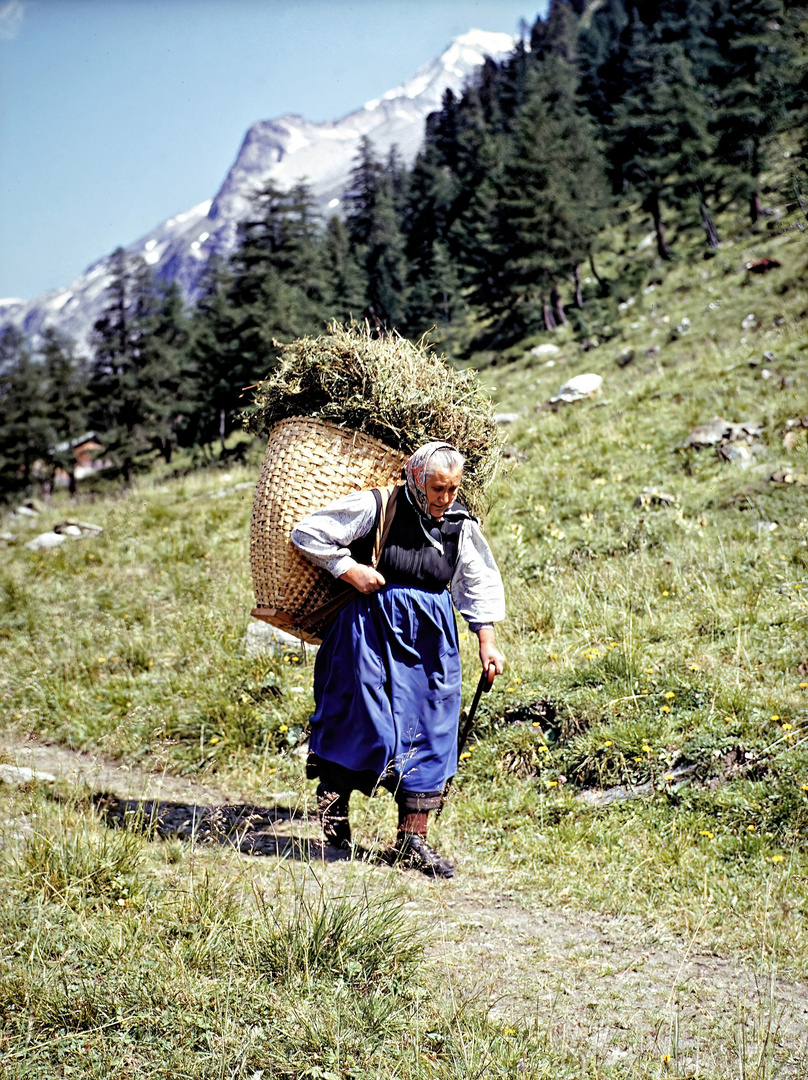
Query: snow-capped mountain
[284, 150]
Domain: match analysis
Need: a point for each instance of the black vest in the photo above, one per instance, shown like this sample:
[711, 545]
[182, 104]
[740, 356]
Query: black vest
[408, 558]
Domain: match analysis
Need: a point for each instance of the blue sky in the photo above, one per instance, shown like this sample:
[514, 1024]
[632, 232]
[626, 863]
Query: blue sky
[118, 114]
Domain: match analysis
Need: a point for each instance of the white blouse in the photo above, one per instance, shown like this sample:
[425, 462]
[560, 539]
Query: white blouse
[476, 584]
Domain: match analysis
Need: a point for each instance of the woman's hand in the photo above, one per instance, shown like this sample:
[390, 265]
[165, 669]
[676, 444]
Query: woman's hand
[490, 656]
[363, 578]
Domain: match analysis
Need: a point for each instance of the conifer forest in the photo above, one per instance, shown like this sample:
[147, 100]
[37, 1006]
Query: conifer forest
[663, 111]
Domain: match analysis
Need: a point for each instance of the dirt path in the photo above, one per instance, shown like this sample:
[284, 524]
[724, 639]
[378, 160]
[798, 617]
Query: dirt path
[617, 987]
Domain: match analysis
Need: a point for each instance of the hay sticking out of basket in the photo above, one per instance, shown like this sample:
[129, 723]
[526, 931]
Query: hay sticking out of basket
[394, 389]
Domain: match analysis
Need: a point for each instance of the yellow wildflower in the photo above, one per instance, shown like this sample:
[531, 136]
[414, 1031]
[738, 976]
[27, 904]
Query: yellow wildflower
[666, 708]
[777, 858]
[283, 727]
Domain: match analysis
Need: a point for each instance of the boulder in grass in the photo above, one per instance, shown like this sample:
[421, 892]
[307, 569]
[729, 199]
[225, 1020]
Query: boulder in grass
[78, 528]
[718, 431]
[45, 541]
[261, 639]
[654, 496]
[545, 351]
[578, 388]
[22, 774]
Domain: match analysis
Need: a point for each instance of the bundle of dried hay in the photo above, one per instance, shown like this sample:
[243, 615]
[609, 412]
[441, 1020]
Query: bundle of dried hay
[396, 390]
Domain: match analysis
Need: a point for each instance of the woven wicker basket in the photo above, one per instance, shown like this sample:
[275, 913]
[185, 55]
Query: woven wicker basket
[308, 464]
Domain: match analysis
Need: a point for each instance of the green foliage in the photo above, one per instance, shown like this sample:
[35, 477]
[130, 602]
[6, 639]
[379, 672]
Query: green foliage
[25, 430]
[362, 940]
[138, 348]
[73, 863]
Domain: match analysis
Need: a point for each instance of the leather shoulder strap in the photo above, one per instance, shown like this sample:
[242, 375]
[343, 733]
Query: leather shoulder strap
[386, 514]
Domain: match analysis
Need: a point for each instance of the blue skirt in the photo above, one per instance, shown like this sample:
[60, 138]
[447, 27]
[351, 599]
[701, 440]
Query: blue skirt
[387, 689]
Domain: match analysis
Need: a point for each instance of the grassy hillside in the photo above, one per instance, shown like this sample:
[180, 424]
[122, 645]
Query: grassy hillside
[651, 641]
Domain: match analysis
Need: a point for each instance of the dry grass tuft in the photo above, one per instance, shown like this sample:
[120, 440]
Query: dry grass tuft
[394, 389]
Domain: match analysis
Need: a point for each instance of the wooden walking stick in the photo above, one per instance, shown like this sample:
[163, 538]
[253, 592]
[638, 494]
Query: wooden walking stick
[483, 686]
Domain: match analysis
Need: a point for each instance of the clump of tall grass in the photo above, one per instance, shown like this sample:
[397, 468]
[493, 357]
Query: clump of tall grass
[74, 865]
[356, 938]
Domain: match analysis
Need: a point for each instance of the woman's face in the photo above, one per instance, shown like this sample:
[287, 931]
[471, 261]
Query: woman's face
[441, 487]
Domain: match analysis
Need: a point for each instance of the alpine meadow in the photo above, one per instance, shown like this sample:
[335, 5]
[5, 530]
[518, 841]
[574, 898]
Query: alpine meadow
[606, 235]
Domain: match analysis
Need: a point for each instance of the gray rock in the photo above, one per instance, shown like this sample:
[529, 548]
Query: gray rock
[736, 452]
[749, 322]
[543, 351]
[25, 511]
[654, 496]
[578, 388]
[506, 417]
[261, 639]
[85, 528]
[21, 774]
[45, 541]
[718, 430]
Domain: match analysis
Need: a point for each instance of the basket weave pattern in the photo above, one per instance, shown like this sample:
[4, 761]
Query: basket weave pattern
[308, 464]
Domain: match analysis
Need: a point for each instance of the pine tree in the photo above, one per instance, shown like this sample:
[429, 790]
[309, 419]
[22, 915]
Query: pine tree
[553, 204]
[277, 285]
[137, 348]
[218, 370]
[660, 142]
[750, 74]
[25, 434]
[374, 224]
[65, 399]
[360, 196]
[344, 279]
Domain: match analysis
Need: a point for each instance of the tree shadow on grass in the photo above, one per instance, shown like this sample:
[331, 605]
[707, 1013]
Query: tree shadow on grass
[253, 830]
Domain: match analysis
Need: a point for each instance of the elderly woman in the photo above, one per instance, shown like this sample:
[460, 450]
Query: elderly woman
[387, 675]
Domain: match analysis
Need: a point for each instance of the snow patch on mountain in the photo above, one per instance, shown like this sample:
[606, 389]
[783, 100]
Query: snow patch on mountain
[285, 151]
